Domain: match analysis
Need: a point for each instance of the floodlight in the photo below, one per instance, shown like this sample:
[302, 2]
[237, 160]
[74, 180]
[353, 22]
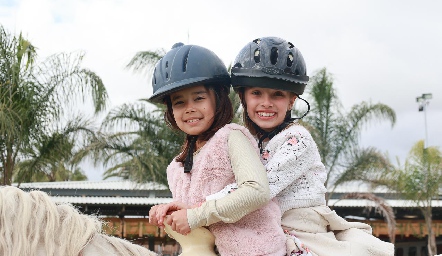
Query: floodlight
[427, 96]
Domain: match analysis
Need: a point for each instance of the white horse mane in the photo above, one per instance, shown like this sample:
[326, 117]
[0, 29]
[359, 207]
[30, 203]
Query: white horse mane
[32, 224]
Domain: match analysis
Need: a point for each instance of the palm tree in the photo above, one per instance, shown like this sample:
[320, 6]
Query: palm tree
[420, 181]
[144, 61]
[50, 157]
[141, 149]
[35, 97]
[337, 133]
[134, 142]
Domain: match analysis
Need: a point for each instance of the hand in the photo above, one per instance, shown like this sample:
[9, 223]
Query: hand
[153, 215]
[158, 212]
[178, 222]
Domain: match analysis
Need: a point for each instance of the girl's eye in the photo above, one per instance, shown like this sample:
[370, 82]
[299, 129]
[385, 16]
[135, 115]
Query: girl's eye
[176, 103]
[279, 94]
[199, 98]
[256, 93]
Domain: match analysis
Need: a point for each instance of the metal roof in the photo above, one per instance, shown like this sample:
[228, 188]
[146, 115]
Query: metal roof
[94, 185]
[367, 203]
[108, 200]
[359, 187]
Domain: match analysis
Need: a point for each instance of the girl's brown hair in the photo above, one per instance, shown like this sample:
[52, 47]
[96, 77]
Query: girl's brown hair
[248, 123]
[223, 115]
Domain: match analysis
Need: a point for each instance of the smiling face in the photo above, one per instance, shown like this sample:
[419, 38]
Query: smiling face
[193, 109]
[267, 107]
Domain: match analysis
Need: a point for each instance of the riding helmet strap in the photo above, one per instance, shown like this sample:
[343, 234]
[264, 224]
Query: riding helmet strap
[271, 134]
[188, 163]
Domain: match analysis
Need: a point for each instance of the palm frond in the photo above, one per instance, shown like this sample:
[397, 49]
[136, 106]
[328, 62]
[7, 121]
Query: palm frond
[381, 207]
[144, 61]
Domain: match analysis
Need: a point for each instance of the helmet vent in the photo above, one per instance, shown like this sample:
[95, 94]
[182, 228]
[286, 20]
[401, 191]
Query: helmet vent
[167, 75]
[257, 41]
[290, 59]
[167, 64]
[291, 45]
[186, 57]
[274, 55]
[154, 76]
[237, 65]
[257, 56]
[296, 72]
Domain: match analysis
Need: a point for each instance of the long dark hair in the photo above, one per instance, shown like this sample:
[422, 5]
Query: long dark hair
[223, 115]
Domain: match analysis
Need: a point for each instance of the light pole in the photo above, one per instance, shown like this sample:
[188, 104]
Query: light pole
[423, 101]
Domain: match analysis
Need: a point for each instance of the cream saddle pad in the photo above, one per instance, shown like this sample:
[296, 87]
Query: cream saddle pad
[199, 241]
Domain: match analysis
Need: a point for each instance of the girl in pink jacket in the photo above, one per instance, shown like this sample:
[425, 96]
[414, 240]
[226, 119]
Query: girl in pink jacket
[194, 84]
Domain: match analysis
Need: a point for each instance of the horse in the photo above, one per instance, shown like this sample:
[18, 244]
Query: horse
[32, 224]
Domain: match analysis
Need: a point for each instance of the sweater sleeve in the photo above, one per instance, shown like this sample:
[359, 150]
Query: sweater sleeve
[252, 192]
[289, 162]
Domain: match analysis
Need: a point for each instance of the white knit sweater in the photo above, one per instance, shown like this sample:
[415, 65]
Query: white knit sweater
[294, 169]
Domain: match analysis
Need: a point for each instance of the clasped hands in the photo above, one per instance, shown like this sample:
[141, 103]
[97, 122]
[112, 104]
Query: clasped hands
[173, 214]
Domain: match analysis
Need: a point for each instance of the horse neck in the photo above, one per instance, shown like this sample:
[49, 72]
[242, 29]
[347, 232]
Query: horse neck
[104, 245]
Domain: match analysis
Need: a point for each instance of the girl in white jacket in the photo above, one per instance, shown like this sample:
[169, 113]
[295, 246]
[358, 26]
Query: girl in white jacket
[269, 74]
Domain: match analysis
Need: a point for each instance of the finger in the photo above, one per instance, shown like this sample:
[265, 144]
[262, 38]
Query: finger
[160, 214]
[168, 220]
[152, 215]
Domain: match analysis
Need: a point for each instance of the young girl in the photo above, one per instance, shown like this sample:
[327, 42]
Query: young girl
[194, 84]
[269, 74]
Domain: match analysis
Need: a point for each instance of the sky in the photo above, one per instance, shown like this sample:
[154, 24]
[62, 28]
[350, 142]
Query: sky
[378, 51]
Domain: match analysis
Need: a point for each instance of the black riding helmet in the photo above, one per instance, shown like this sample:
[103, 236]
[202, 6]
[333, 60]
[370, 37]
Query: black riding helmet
[270, 62]
[184, 66]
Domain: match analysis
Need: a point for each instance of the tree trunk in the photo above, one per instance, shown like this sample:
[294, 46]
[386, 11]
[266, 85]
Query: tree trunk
[7, 172]
[431, 238]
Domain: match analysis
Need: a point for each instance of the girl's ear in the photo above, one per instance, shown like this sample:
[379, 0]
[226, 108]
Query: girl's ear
[292, 101]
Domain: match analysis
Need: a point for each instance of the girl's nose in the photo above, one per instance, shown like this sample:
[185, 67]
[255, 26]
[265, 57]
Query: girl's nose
[266, 101]
[189, 108]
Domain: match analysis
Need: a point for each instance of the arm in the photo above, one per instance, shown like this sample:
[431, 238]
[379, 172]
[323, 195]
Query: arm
[290, 161]
[252, 192]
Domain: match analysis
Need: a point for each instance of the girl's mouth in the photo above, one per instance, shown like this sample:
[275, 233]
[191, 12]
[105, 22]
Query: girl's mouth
[192, 120]
[266, 114]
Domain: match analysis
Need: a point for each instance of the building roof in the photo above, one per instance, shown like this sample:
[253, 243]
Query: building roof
[395, 203]
[114, 197]
[109, 200]
[94, 185]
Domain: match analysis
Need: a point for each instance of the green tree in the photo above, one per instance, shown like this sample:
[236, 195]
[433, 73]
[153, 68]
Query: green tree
[337, 134]
[36, 98]
[49, 157]
[141, 149]
[419, 180]
[144, 61]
